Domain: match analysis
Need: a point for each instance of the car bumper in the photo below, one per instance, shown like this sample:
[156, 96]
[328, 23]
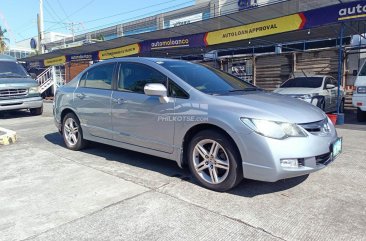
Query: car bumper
[359, 101]
[25, 103]
[262, 155]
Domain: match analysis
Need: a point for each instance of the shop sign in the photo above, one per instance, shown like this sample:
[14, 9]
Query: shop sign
[185, 20]
[255, 30]
[82, 57]
[55, 61]
[119, 52]
[195, 40]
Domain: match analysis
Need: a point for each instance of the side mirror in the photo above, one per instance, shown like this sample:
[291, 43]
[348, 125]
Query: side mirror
[157, 90]
[33, 75]
[330, 86]
[354, 72]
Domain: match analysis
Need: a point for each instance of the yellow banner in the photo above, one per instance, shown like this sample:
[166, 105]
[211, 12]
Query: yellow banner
[254, 30]
[55, 61]
[119, 52]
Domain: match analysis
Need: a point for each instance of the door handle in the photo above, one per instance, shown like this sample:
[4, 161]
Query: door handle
[80, 95]
[118, 101]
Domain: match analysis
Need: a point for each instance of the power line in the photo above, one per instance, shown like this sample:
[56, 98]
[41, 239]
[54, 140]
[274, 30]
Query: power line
[63, 10]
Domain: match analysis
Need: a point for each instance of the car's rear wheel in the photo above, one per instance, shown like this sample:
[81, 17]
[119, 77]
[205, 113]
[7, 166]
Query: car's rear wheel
[36, 111]
[72, 132]
[361, 115]
[214, 160]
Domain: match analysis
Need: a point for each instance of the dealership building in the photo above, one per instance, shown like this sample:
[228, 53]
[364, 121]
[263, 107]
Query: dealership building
[262, 41]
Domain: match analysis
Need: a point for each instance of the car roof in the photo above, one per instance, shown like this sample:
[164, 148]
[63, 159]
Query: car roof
[141, 59]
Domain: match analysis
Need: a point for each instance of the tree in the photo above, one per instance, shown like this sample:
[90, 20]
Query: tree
[3, 40]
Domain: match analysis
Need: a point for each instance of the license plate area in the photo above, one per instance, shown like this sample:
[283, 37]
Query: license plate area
[336, 148]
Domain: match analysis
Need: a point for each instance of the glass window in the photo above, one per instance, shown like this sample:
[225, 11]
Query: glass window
[99, 77]
[133, 77]
[176, 91]
[363, 70]
[206, 79]
[303, 82]
[12, 69]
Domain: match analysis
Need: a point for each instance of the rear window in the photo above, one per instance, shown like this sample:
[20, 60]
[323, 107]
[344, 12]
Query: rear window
[303, 82]
[10, 69]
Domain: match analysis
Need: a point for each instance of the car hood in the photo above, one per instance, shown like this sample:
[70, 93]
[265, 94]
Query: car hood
[271, 106]
[295, 91]
[17, 82]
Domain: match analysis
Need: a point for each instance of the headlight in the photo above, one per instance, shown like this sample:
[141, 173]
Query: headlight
[309, 96]
[274, 129]
[33, 90]
[361, 89]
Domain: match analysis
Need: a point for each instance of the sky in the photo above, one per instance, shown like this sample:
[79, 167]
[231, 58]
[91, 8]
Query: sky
[19, 17]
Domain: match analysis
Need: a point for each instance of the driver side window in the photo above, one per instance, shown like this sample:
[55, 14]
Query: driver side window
[134, 76]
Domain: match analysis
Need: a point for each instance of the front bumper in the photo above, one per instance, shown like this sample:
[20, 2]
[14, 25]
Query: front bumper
[262, 155]
[21, 103]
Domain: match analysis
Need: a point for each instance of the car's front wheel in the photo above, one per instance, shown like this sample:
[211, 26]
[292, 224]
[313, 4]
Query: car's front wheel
[214, 160]
[361, 115]
[36, 111]
[72, 133]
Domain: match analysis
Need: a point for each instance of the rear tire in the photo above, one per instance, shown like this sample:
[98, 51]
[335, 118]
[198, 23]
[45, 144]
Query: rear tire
[36, 111]
[72, 132]
[361, 115]
[214, 160]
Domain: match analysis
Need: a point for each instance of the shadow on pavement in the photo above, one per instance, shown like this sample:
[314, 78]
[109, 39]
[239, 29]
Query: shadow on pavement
[247, 188]
[13, 114]
[351, 123]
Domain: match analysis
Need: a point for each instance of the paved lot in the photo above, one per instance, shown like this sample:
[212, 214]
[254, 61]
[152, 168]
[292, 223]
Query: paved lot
[104, 193]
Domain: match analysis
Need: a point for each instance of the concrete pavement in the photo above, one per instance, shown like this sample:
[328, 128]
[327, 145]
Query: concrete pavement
[104, 193]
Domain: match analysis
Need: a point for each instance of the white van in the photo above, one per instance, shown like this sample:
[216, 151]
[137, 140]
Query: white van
[359, 95]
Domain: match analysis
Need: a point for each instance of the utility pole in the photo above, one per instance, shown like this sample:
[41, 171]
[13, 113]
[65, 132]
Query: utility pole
[40, 28]
[74, 27]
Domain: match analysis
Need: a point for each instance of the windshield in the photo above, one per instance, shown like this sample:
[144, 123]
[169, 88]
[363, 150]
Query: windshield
[206, 79]
[303, 82]
[10, 69]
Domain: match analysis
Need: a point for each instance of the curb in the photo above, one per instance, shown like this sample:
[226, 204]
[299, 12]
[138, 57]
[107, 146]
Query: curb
[7, 136]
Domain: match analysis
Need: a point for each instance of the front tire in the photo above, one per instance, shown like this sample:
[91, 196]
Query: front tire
[361, 115]
[72, 132]
[36, 111]
[214, 160]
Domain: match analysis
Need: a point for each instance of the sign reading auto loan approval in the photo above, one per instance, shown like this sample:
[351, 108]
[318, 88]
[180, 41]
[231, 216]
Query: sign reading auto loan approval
[255, 30]
[119, 52]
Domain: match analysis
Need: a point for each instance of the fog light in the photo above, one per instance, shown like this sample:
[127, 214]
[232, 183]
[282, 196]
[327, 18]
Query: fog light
[289, 163]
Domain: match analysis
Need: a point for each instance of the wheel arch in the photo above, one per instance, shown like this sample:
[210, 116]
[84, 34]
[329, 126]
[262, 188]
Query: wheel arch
[193, 131]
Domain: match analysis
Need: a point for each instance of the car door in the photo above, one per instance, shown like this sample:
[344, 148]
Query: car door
[92, 100]
[139, 119]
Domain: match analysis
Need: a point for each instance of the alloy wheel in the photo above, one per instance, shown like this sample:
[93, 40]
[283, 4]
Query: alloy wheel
[71, 131]
[211, 161]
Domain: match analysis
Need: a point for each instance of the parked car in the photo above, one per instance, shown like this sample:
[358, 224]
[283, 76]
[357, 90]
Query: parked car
[221, 126]
[17, 89]
[359, 95]
[319, 90]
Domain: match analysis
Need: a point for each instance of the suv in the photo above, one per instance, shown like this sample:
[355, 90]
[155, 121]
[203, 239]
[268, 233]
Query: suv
[17, 89]
[319, 90]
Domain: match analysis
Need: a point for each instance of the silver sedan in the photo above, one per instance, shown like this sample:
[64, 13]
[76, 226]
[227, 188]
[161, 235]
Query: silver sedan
[223, 128]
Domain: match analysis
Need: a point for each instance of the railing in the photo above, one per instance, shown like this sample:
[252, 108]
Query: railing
[50, 77]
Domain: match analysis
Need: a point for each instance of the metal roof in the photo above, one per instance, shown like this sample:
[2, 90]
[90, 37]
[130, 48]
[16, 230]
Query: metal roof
[222, 22]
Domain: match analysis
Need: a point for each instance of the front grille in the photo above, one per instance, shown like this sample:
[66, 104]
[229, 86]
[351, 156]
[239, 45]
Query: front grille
[317, 128]
[13, 93]
[324, 159]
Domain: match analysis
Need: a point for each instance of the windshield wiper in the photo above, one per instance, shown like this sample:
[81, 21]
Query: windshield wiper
[245, 89]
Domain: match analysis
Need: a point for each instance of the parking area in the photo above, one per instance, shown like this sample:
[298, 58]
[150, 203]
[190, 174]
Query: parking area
[48, 192]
